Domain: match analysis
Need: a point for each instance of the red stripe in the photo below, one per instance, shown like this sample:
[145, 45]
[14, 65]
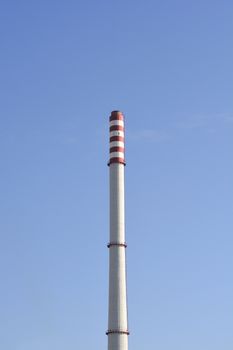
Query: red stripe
[117, 149]
[117, 160]
[117, 138]
[116, 128]
[116, 117]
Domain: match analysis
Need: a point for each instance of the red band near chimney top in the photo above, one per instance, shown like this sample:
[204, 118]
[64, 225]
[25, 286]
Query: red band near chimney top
[116, 117]
[117, 149]
[116, 160]
[116, 128]
[117, 138]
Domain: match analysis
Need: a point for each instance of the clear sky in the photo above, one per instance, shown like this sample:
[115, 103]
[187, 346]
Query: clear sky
[64, 65]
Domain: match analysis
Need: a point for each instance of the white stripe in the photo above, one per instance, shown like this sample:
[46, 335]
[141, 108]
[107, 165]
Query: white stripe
[116, 144]
[117, 133]
[117, 122]
[117, 155]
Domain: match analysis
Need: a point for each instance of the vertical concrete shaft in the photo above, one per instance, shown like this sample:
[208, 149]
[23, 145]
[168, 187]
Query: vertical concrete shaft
[117, 317]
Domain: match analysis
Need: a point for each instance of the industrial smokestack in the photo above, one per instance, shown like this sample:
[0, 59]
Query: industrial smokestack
[117, 312]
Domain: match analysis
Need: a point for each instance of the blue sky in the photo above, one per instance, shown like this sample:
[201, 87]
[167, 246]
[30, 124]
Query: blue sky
[64, 65]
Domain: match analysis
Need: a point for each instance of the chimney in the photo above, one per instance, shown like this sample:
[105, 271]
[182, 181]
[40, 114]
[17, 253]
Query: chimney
[117, 313]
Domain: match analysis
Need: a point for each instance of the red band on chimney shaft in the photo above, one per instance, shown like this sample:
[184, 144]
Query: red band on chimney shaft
[117, 138]
[116, 128]
[117, 149]
[116, 117]
[117, 160]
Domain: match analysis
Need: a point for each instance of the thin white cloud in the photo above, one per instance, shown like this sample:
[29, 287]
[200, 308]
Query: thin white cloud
[208, 122]
[150, 135]
[190, 123]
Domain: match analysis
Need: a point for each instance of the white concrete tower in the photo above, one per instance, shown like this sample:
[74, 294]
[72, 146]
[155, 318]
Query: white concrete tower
[117, 313]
